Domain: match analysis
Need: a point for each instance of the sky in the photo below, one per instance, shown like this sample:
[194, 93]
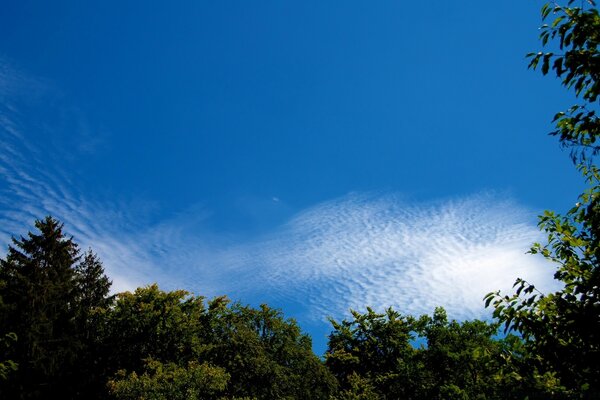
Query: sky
[316, 156]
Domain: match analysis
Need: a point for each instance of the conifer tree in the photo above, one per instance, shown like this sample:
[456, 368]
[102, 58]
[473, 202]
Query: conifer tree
[48, 297]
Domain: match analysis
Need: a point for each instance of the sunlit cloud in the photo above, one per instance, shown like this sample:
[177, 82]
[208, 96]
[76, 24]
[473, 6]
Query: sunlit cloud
[359, 250]
[381, 251]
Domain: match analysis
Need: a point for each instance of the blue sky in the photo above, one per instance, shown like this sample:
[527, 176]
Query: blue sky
[314, 155]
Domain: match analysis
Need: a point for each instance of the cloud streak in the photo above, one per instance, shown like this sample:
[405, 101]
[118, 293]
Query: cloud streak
[362, 249]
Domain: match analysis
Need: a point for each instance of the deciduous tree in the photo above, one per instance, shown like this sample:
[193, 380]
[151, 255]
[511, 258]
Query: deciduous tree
[170, 382]
[562, 329]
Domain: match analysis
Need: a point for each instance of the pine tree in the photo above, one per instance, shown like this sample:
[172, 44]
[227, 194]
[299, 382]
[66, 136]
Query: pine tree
[93, 287]
[48, 295]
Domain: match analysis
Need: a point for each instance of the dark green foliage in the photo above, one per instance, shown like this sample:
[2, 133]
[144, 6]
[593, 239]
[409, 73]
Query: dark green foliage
[40, 294]
[92, 301]
[374, 356]
[48, 307]
[92, 286]
[373, 353]
[461, 359]
[267, 356]
[574, 33]
[7, 366]
[150, 323]
[561, 329]
[170, 382]
[264, 355]
[74, 337]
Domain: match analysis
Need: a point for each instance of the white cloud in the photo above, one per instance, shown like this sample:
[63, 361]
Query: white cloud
[381, 251]
[358, 250]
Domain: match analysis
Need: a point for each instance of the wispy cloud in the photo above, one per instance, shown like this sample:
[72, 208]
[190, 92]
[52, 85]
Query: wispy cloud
[361, 249]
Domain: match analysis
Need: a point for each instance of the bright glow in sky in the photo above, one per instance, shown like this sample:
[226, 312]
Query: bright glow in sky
[314, 156]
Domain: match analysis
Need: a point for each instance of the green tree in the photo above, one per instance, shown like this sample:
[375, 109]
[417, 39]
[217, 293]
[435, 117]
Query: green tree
[170, 382]
[390, 356]
[357, 388]
[93, 286]
[572, 38]
[151, 324]
[561, 329]
[265, 355]
[44, 306]
[7, 366]
[39, 294]
[92, 301]
[371, 355]
[466, 360]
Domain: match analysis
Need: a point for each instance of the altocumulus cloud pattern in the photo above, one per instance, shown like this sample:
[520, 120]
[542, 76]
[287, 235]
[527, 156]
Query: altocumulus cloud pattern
[362, 249]
[381, 251]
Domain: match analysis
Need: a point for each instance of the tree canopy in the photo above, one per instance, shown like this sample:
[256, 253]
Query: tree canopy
[74, 340]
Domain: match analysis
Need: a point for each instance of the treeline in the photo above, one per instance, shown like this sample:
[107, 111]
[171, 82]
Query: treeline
[67, 337]
[70, 339]
[74, 340]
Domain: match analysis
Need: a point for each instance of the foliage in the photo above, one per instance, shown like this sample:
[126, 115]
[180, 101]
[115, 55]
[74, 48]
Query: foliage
[373, 353]
[92, 286]
[574, 34]
[74, 337]
[357, 388]
[44, 307]
[7, 366]
[374, 356]
[265, 355]
[461, 359]
[6, 340]
[151, 324]
[92, 290]
[561, 329]
[170, 382]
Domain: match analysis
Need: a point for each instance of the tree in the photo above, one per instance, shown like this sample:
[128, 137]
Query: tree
[7, 366]
[466, 360]
[372, 354]
[264, 355]
[151, 324]
[390, 356]
[562, 329]
[45, 305]
[576, 31]
[267, 356]
[460, 359]
[39, 293]
[170, 382]
[93, 286]
[92, 301]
